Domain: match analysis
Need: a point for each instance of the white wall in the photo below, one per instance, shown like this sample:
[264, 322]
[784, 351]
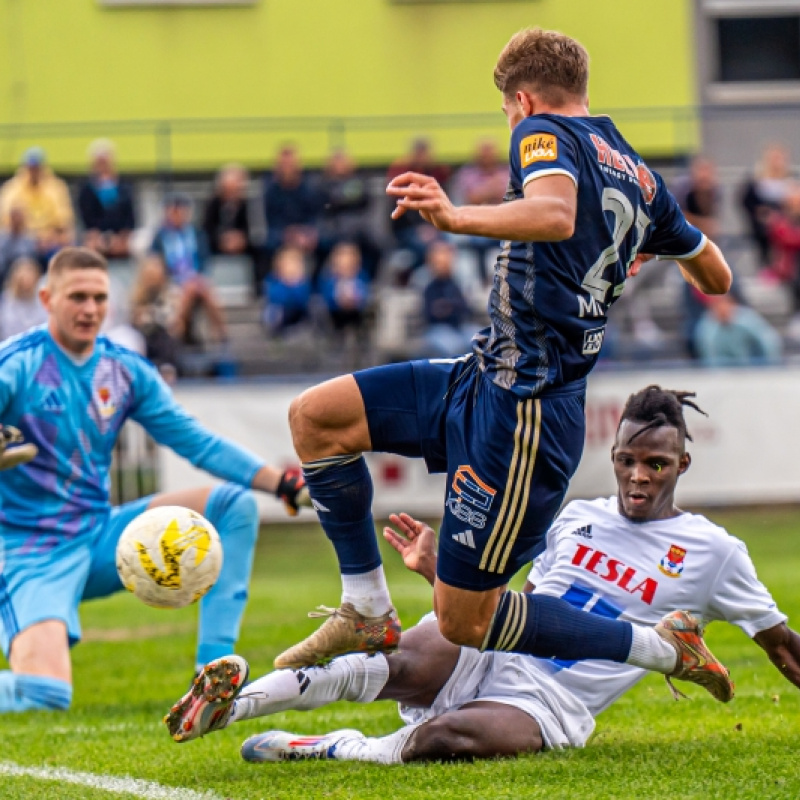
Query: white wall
[746, 451]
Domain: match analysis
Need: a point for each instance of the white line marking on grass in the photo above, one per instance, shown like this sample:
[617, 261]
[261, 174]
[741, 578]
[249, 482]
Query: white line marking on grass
[147, 790]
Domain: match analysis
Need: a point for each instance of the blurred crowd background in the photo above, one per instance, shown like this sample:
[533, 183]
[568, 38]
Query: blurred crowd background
[239, 196]
[297, 269]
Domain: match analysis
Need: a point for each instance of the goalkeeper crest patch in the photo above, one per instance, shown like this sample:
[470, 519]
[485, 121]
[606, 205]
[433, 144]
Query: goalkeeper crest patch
[538, 147]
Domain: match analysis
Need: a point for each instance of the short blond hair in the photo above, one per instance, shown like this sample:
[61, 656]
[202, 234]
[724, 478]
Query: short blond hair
[69, 258]
[549, 63]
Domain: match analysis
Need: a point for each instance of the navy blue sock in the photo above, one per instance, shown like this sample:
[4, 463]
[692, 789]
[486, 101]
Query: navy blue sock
[549, 627]
[341, 491]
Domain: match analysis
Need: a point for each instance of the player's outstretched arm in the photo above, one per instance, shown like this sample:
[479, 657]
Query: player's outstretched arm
[416, 543]
[545, 214]
[708, 271]
[782, 645]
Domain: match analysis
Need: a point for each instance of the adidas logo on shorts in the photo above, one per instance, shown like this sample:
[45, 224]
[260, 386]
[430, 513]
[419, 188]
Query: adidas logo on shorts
[465, 537]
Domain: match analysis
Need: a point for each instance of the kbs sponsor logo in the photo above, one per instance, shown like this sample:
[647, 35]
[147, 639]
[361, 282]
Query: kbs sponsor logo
[615, 571]
[471, 489]
[538, 147]
[593, 341]
[672, 563]
[464, 513]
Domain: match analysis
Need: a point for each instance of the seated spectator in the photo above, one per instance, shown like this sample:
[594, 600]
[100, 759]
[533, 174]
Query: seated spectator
[482, 182]
[226, 222]
[345, 287]
[701, 197]
[154, 312]
[20, 308]
[410, 230]
[106, 204]
[15, 242]
[783, 229]
[448, 331]
[764, 193]
[729, 334]
[45, 202]
[346, 202]
[288, 292]
[291, 207]
[184, 251]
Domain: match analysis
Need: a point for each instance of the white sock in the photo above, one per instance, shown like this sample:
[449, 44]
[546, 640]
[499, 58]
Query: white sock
[357, 677]
[368, 592]
[383, 750]
[650, 651]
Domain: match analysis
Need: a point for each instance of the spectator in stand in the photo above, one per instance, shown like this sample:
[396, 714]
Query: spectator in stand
[15, 242]
[448, 328]
[227, 222]
[482, 182]
[45, 202]
[106, 204]
[729, 334]
[154, 313]
[764, 193]
[20, 308]
[291, 207]
[346, 209]
[699, 198]
[184, 251]
[702, 196]
[288, 292]
[410, 230]
[345, 287]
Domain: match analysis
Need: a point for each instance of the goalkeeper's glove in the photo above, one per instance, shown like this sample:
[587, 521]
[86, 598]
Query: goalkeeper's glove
[13, 451]
[293, 491]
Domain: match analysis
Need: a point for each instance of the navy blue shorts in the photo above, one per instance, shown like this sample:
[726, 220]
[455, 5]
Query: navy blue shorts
[508, 460]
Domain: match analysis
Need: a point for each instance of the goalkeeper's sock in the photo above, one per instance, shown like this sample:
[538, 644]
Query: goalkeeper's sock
[233, 512]
[20, 692]
[341, 492]
[358, 678]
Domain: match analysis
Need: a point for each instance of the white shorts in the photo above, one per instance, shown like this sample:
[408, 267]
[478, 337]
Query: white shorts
[514, 680]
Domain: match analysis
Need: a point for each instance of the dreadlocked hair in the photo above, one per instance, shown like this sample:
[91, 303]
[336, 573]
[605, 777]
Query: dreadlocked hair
[657, 407]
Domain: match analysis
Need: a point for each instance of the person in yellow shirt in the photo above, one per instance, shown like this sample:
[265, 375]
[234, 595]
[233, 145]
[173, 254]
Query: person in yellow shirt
[45, 201]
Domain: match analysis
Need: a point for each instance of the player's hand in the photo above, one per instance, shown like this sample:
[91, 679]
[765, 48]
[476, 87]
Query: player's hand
[636, 264]
[416, 543]
[293, 491]
[13, 451]
[417, 192]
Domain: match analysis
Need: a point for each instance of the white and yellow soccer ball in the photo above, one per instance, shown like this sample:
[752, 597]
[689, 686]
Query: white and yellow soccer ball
[169, 556]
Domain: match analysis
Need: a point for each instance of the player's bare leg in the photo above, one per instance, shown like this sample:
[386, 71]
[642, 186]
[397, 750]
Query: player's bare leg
[330, 432]
[476, 730]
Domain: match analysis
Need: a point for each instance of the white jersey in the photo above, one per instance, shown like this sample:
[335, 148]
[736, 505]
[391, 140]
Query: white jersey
[601, 562]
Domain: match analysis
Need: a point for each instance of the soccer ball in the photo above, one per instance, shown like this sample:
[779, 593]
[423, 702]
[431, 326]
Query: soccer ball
[169, 556]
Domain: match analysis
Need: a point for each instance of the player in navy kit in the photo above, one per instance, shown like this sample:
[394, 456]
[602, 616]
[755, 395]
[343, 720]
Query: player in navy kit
[506, 422]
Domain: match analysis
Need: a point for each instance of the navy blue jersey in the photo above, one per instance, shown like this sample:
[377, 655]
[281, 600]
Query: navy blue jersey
[549, 300]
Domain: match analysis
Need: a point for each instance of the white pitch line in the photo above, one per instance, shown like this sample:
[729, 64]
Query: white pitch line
[147, 790]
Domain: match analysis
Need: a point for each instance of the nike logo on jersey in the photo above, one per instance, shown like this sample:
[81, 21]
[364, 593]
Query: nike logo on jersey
[465, 537]
[615, 571]
[319, 507]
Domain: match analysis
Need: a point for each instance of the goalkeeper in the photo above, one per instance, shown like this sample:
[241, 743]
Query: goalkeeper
[65, 392]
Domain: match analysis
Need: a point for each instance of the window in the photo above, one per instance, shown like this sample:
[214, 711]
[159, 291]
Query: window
[765, 48]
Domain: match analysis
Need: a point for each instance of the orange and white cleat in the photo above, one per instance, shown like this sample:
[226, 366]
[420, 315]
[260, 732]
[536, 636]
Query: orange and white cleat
[207, 706]
[696, 663]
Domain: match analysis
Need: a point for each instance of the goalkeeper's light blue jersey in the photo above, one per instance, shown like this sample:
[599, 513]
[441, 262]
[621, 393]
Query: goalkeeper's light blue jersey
[73, 412]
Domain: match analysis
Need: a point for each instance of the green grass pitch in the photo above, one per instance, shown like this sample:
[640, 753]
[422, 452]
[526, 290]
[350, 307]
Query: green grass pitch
[136, 661]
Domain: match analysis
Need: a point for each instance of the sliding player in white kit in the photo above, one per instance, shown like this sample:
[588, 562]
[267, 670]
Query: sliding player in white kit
[635, 556]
